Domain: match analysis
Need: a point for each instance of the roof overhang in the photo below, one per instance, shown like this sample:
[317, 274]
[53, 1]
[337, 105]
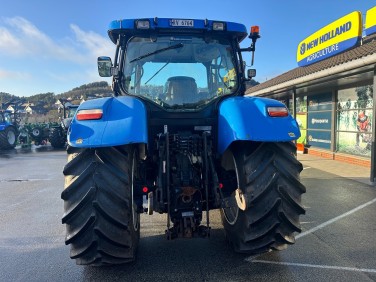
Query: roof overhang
[354, 71]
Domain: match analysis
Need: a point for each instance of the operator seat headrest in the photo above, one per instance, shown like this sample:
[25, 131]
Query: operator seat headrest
[181, 89]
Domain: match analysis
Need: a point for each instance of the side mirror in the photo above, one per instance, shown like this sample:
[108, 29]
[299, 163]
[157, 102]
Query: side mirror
[251, 73]
[105, 68]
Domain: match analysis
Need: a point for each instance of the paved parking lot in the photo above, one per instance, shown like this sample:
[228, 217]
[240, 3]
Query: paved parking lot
[338, 241]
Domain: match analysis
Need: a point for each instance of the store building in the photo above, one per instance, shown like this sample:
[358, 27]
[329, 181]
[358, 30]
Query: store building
[331, 92]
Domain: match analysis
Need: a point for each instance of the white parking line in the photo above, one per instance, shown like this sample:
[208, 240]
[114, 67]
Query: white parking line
[322, 225]
[317, 266]
[318, 227]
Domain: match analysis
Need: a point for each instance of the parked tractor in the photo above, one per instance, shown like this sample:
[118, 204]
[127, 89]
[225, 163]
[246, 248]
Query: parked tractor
[39, 132]
[180, 134]
[58, 133]
[8, 129]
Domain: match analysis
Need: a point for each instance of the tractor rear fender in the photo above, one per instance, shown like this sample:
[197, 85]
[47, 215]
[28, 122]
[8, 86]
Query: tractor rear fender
[247, 118]
[123, 122]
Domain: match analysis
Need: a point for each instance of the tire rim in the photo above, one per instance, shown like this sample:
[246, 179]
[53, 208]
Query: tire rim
[36, 132]
[11, 137]
[135, 215]
[231, 214]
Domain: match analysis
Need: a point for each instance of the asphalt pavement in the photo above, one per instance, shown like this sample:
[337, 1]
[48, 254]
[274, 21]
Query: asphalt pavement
[337, 242]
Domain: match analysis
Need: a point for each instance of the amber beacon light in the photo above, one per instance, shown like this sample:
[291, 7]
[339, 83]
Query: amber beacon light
[255, 30]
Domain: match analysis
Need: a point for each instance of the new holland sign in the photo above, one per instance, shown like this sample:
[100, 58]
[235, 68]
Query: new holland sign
[332, 39]
[370, 25]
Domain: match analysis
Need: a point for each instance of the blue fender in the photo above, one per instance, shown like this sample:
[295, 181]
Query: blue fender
[246, 118]
[123, 122]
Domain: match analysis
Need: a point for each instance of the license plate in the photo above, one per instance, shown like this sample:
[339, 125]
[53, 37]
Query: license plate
[188, 23]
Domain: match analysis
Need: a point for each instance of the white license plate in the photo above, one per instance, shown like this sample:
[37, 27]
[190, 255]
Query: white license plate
[179, 22]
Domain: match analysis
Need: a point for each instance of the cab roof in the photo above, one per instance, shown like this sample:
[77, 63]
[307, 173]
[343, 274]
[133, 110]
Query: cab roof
[130, 27]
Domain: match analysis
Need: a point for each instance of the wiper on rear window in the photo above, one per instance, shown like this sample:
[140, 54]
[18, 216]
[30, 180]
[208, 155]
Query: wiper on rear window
[158, 51]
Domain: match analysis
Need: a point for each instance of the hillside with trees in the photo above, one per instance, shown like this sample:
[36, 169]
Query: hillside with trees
[94, 89]
[43, 106]
[86, 91]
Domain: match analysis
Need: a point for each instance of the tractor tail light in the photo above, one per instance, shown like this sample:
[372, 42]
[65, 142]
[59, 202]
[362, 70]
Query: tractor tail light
[277, 111]
[89, 114]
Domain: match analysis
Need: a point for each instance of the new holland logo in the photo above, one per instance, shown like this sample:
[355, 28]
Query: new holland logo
[302, 49]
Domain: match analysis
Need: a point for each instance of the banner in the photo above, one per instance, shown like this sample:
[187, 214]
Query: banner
[370, 24]
[332, 39]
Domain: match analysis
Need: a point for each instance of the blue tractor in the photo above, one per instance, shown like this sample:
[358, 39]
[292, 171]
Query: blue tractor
[179, 137]
[8, 129]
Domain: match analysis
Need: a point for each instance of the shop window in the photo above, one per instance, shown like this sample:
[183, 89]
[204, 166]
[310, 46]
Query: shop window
[354, 120]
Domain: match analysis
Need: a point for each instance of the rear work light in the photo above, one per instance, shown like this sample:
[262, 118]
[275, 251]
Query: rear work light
[277, 111]
[142, 24]
[89, 114]
[218, 26]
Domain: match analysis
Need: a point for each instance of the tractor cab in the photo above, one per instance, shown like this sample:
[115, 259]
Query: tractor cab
[179, 65]
[5, 117]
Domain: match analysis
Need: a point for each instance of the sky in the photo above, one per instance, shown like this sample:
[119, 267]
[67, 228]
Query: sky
[52, 46]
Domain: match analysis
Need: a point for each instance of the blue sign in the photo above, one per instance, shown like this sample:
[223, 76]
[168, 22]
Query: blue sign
[320, 120]
[320, 139]
[322, 102]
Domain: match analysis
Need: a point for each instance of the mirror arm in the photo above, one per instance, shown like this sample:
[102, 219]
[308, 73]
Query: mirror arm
[249, 49]
[254, 35]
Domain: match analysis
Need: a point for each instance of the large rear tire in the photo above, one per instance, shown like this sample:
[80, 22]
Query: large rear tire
[100, 215]
[8, 138]
[57, 137]
[268, 174]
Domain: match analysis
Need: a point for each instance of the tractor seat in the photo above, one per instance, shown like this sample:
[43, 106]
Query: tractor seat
[180, 90]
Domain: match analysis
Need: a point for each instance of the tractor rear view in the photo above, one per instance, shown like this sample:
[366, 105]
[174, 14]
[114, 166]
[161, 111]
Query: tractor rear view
[179, 133]
[8, 129]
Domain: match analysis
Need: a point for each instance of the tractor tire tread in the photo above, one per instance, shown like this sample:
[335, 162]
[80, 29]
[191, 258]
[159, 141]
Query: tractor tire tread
[97, 212]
